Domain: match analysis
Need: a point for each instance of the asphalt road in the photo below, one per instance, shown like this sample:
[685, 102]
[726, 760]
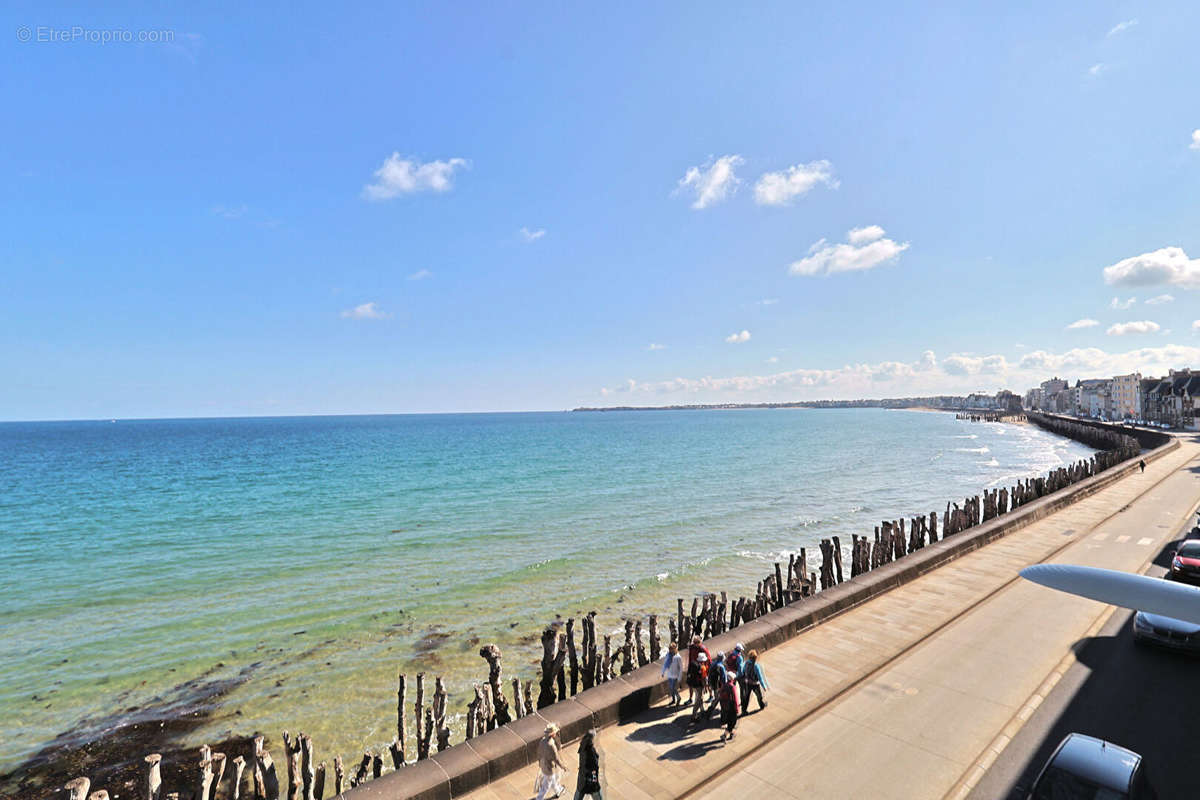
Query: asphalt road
[1142, 698]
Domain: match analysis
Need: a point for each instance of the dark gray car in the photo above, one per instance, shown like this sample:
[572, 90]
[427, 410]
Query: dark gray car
[1166, 632]
[1086, 768]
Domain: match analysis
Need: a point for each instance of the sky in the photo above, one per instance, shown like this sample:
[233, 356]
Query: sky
[221, 210]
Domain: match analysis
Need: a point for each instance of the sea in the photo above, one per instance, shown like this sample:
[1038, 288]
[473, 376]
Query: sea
[281, 572]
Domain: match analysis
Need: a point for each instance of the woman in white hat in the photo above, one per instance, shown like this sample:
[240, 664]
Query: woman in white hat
[550, 765]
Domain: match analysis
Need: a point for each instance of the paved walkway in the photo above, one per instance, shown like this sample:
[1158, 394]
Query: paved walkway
[900, 697]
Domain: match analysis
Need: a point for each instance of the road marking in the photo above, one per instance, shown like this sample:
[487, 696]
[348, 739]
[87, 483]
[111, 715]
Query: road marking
[1122, 539]
[1145, 541]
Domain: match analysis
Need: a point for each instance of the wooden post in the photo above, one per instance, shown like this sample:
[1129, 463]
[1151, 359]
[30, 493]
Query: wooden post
[560, 666]
[319, 782]
[573, 656]
[439, 714]
[78, 788]
[308, 769]
[204, 775]
[627, 649]
[606, 671]
[239, 766]
[546, 695]
[264, 771]
[779, 587]
[153, 776]
[99, 794]
[364, 766]
[377, 760]
[528, 697]
[339, 775]
[684, 639]
[401, 700]
[517, 705]
[837, 558]
[218, 768]
[491, 654]
[419, 709]
[655, 640]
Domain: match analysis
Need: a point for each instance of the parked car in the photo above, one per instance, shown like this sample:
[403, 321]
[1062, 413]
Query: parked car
[1185, 563]
[1173, 634]
[1086, 768]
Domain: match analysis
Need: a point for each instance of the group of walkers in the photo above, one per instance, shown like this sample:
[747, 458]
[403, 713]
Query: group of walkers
[726, 680]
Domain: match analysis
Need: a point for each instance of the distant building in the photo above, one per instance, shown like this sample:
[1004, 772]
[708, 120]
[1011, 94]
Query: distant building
[1127, 396]
[1091, 397]
[1053, 386]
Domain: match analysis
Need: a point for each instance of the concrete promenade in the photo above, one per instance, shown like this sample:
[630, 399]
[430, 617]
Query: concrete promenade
[911, 694]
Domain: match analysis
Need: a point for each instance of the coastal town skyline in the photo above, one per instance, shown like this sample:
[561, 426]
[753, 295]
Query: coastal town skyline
[573, 209]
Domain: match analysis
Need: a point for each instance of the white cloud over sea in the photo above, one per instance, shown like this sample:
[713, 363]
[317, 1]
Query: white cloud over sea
[957, 373]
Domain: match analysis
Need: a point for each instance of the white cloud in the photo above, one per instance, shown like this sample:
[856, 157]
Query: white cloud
[365, 311]
[738, 338]
[1095, 69]
[1195, 145]
[1162, 299]
[1122, 26]
[1122, 305]
[1169, 265]
[1083, 323]
[866, 249]
[963, 373]
[773, 360]
[399, 176]
[420, 275]
[1196, 325]
[778, 188]
[770, 301]
[1126, 328]
[966, 364]
[713, 181]
[532, 236]
[867, 233]
[654, 346]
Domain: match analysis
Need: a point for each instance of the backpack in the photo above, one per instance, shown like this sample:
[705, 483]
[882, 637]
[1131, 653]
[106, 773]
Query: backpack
[695, 673]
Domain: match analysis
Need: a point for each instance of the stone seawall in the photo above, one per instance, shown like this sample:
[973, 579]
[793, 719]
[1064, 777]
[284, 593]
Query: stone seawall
[469, 765]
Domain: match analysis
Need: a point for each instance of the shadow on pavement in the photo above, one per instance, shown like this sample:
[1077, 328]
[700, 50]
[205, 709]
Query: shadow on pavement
[1137, 696]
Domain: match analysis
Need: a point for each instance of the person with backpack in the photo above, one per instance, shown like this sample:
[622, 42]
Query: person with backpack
[589, 782]
[672, 668]
[728, 697]
[550, 766]
[717, 675]
[695, 649]
[696, 676]
[753, 680]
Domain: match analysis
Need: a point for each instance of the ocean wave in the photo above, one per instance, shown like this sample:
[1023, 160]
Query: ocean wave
[992, 463]
[965, 436]
[983, 449]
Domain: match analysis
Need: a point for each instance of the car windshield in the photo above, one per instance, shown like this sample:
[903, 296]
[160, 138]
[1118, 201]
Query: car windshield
[1190, 550]
[1059, 784]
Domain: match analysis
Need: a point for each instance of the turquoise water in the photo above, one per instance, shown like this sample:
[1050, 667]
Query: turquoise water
[322, 555]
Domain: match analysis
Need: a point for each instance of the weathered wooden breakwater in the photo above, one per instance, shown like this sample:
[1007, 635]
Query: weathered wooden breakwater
[569, 666]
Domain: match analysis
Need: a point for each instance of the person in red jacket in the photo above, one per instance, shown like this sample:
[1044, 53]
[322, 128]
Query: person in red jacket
[694, 650]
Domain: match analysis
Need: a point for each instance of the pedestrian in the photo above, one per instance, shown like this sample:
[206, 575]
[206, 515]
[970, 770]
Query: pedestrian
[717, 675]
[753, 680]
[549, 765]
[734, 663]
[1142, 464]
[673, 668]
[589, 782]
[697, 675]
[728, 696]
[694, 650]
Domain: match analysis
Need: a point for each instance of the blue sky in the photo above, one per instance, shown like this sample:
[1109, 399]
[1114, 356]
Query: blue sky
[885, 199]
